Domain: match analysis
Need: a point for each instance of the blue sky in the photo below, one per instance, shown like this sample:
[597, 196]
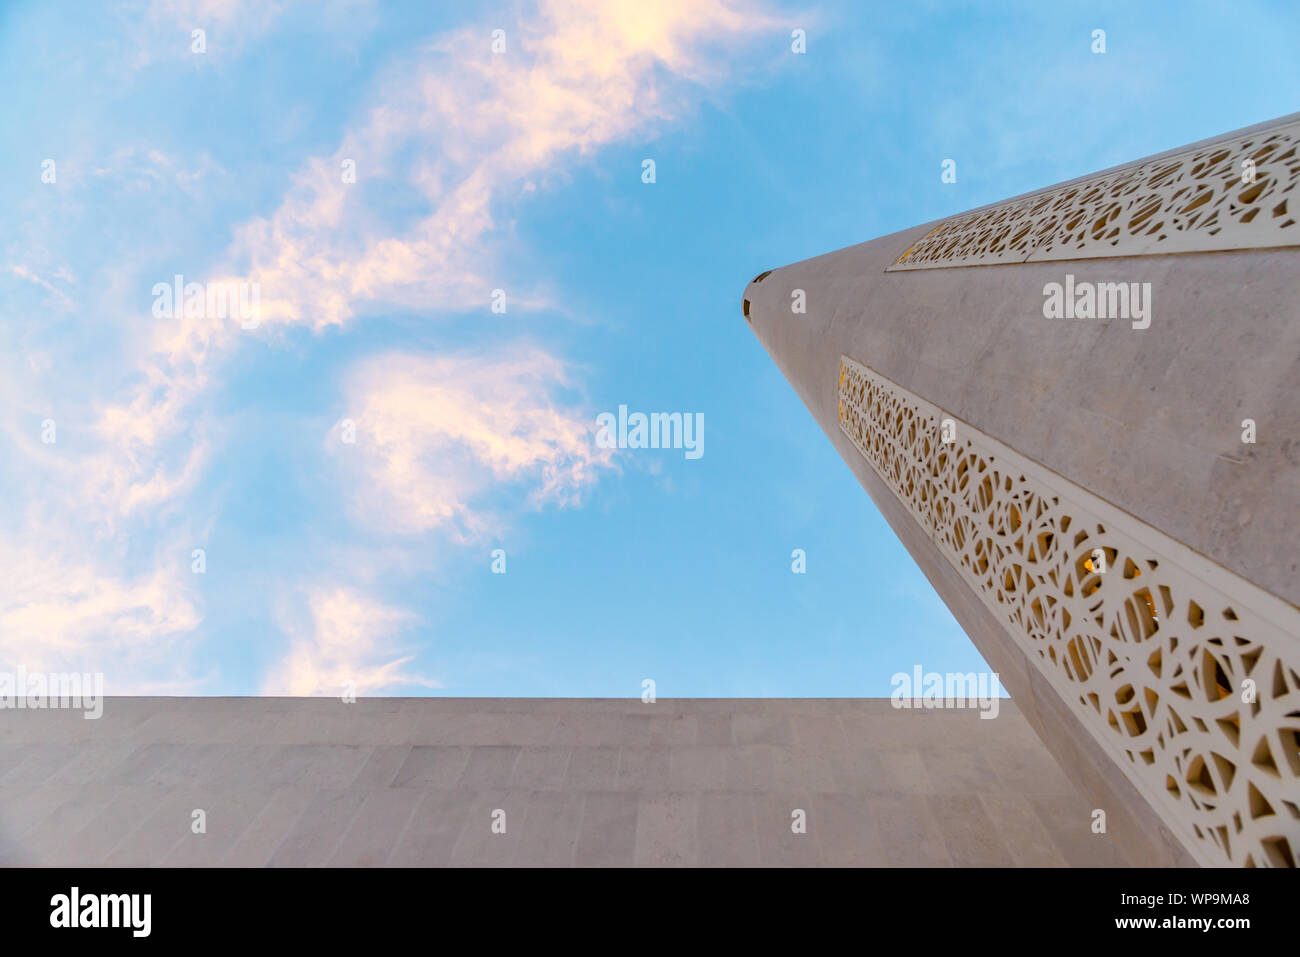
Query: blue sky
[370, 561]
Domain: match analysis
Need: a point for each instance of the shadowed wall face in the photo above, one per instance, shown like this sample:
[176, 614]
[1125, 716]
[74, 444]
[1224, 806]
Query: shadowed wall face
[445, 781]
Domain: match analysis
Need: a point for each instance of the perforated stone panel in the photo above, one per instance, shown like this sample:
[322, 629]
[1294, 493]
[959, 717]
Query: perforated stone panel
[1192, 201]
[1155, 648]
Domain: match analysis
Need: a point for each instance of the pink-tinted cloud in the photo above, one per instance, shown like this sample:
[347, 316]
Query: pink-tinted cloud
[483, 129]
[347, 644]
[582, 75]
[434, 432]
[63, 611]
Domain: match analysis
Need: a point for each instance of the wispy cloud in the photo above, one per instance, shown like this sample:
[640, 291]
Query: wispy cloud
[160, 30]
[583, 75]
[466, 128]
[25, 272]
[461, 134]
[432, 432]
[60, 610]
[347, 643]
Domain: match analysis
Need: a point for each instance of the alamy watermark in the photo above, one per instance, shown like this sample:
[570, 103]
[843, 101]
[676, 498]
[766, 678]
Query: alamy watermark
[214, 300]
[129, 911]
[922, 689]
[1102, 300]
[38, 690]
[658, 430]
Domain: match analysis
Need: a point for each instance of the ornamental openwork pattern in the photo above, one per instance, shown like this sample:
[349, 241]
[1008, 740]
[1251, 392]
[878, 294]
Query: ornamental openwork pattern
[1187, 674]
[1236, 194]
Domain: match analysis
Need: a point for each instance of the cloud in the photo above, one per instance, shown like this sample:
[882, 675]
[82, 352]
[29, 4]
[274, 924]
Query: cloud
[84, 585]
[348, 643]
[456, 135]
[465, 128]
[60, 611]
[24, 272]
[138, 170]
[160, 30]
[434, 432]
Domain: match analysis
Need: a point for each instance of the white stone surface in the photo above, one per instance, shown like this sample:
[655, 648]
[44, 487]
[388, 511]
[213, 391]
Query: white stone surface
[586, 782]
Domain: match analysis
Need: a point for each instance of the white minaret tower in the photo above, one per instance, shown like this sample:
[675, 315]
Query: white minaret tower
[1079, 409]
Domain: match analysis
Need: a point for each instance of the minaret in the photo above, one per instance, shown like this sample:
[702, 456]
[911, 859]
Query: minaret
[1079, 409]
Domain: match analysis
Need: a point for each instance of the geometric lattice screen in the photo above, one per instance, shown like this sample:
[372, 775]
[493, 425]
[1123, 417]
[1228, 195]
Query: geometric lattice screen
[1155, 649]
[1194, 201]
